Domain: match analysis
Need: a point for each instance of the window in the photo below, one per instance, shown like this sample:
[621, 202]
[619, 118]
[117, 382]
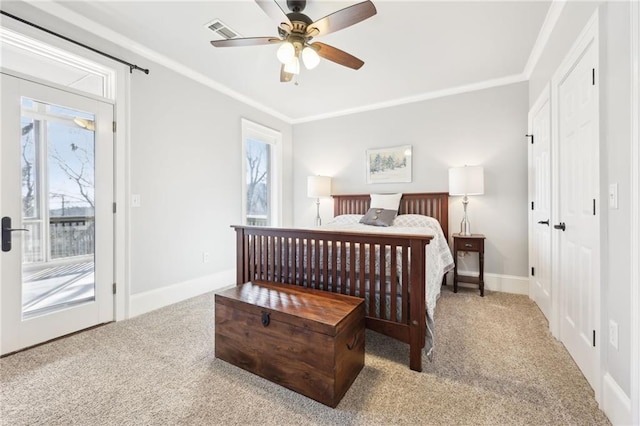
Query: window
[261, 176]
[34, 58]
[57, 182]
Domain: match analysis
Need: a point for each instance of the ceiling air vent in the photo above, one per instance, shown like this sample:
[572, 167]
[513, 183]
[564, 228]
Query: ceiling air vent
[222, 29]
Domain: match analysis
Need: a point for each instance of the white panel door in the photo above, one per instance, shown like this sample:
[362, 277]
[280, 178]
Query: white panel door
[540, 188]
[579, 254]
[56, 264]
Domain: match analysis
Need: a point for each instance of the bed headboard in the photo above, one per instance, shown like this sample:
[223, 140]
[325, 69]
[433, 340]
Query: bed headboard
[434, 204]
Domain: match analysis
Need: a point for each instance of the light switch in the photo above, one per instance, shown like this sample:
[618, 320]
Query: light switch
[613, 196]
[135, 200]
[613, 333]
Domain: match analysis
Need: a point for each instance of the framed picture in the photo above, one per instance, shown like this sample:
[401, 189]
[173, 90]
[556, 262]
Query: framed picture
[389, 165]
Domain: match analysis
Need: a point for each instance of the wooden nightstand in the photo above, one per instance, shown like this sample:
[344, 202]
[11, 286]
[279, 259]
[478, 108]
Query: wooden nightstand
[468, 243]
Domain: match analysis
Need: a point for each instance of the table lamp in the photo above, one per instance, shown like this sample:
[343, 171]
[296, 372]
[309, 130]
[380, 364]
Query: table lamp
[467, 180]
[318, 187]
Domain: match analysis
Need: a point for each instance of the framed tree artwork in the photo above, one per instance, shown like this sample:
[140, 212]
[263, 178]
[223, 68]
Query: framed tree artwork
[389, 165]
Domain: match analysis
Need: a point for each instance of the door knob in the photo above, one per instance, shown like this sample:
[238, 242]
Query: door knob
[6, 233]
[561, 225]
[544, 222]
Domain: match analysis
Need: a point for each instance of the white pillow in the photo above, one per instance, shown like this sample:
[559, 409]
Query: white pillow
[386, 201]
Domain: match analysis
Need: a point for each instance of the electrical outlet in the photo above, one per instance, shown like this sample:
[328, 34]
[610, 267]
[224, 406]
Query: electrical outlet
[613, 333]
[206, 257]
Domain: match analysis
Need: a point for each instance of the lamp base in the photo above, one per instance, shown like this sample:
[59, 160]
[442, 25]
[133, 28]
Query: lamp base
[465, 226]
[318, 220]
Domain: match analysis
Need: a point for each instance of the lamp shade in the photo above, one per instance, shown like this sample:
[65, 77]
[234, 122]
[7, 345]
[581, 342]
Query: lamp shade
[310, 58]
[467, 180]
[293, 66]
[318, 186]
[286, 52]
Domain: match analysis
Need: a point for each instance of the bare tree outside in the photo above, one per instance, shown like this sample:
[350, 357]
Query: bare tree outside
[72, 183]
[258, 181]
[28, 169]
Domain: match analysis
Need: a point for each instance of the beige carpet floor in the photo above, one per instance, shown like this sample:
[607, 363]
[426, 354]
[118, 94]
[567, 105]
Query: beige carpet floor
[495, 363]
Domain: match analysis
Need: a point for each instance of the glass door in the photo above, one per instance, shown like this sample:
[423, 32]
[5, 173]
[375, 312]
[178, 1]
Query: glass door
[57, 225]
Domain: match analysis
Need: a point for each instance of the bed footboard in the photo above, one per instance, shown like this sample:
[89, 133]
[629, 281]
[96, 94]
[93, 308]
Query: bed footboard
[387, 271]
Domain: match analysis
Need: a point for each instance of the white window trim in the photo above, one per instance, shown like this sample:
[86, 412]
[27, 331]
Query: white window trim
[251, 130]
[44, 50]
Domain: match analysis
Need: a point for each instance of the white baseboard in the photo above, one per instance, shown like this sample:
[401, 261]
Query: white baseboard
[615, 403]
[158, 298]
[498, 282]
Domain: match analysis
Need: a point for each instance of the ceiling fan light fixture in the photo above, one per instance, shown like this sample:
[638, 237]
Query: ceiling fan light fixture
[286, 52]
[310, 57]
[296, 30]
[293, 66]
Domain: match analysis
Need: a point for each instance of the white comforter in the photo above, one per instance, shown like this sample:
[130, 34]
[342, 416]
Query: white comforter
[439, 260]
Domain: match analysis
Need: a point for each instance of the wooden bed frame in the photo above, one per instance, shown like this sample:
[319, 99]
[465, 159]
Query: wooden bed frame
[297, 257]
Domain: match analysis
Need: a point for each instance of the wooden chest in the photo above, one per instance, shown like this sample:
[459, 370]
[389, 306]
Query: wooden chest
[309, 341]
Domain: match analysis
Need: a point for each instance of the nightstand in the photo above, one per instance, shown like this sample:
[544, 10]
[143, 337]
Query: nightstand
[469, 243]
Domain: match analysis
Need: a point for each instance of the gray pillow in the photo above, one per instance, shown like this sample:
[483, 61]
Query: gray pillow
[379, 217]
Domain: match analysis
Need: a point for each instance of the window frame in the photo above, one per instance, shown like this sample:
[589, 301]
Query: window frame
[255, 131]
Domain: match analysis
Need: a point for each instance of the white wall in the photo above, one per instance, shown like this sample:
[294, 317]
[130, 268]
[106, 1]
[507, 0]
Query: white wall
[186, 165]
[615, 107]
[485, 127]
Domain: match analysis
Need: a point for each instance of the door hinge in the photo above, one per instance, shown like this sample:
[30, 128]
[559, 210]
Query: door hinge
[533, 271]
[115, 127]
[594, 206]
[114, 207]
[114, 288]
[532, 205]
[530, 136]
[593, 76]
[594, 338]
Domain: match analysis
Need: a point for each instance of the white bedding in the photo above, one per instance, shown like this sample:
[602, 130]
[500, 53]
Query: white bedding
[438, 255]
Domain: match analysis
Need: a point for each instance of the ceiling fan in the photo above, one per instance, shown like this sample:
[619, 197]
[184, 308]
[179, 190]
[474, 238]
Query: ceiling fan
[296, 30]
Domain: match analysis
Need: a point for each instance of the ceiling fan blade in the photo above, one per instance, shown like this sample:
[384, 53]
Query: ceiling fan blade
[248, 41]
[341, 19]
[285, 77]
[275, 12]
[338, 56]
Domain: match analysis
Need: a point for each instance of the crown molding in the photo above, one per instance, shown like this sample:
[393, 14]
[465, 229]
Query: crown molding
[100, 30]
[549, 24]
[487, 84]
